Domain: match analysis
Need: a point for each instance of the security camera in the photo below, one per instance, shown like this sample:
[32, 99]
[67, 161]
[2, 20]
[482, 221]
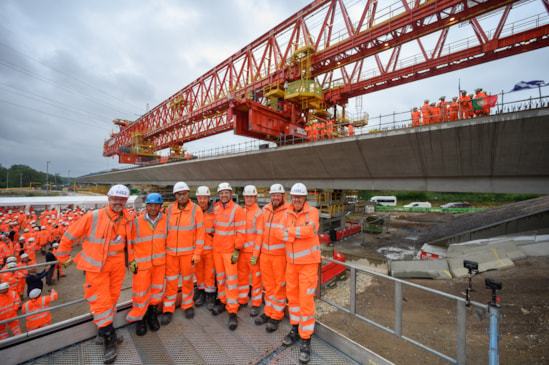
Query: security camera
[492, 284]
[471, 265]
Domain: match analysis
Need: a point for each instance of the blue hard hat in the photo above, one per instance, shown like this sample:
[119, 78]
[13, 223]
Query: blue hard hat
[154, 198]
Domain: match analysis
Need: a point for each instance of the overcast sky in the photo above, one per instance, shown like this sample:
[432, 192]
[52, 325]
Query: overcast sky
[69, 67]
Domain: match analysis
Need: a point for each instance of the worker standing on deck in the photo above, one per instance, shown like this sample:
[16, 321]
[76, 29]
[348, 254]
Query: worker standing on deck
[453, 110]
[204, 269]
[272, 261]
[463, 105]
[184, 247]
[105, 234]
[147, 257]
[302, 260]
[9, 303]
[38, 302]
[249, 254]
[416, 116]
[229, 229]
[426, 112]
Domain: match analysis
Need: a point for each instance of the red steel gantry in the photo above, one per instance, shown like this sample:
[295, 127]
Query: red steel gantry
[317, 60]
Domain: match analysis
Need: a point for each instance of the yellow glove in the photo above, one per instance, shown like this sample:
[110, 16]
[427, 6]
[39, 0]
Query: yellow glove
[68, 262]
[234, 257]
[196, 259]
[253, 260]
[133, 266]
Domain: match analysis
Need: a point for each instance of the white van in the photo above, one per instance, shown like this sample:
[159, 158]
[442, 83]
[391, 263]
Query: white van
[418, 205]
[388, 200]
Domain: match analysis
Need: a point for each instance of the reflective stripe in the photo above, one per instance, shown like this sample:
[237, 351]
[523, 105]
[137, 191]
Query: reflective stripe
[89, 260]
[274, 247]
[310, 327]
[311, 291]
[302, 253]
[178, 250]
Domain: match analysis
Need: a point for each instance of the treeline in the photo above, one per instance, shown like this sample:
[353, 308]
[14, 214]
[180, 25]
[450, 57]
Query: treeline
[23, 176]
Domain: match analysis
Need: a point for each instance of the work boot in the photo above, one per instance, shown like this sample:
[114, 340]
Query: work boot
[254, 311]
[199, 298]
[111, 344]
[189, 313]
[233, 321]
[141, 329]
[291, 337]
[152, 318]
[262, 319]
[166, 318]
[272, 325]
[305, 351]
[210, 301]
[100, 340]
[218, 308]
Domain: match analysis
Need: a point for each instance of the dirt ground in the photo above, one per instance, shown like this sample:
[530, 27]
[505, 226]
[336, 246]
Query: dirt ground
[524, 303]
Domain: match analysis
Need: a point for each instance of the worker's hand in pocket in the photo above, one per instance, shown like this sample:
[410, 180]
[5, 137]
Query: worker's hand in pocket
[133, 266]
[234, 257]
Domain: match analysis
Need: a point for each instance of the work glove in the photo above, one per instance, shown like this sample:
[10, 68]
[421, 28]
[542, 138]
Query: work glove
[133, 266]
[253, 260]
[67, 263]
[196, 259]
[234, 257]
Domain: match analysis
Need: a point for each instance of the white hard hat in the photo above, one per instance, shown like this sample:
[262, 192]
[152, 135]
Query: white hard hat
[11, 265]
[249, 190]
[35, 293]
[224, 186]
[180, 186]
[43, 227]
[55, 245]
[119, 190]
[21, 238]
[24, 256]
[299, 189]
[31, 239]
[26, 230]
[11, 259]
[203, 191]
[4, 286]
[276, 188]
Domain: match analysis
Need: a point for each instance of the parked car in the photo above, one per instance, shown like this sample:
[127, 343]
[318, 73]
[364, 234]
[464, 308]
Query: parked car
[456, 205]
[418, 205]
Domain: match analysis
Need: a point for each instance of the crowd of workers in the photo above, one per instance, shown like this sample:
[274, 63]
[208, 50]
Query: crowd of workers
[222, 256]
[321, 130]
[22, 237]
[450, 111]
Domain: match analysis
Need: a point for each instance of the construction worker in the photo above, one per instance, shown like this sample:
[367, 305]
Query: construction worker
[315, 131]
[330, 129]
[229, 232]
[416, 116]
[58, 267]
[453, 110]
[105, 234]
[470, 110]
[204, 269]
[36, 303]
[249, 254]
[302, 260]
[426, 112]
[443, 109]
[436, 116]
[479, 94]
[184, 246]
[309, 131]
[272, 261]
[9, 303]
[147, 262]
[351, 130]
[464, 105]
[44, 239]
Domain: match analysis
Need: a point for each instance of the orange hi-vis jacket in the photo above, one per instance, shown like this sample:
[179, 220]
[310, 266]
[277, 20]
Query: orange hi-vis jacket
[9, 303]
[274, 241]
[208, 229]
[304, 246]
[148, 244]
[229, 227]
[104, 233]
[254, 229]
[42, 319]
[44, 237]
[185, 230]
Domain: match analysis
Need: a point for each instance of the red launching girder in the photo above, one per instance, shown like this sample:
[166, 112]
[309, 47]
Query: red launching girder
[354, 49]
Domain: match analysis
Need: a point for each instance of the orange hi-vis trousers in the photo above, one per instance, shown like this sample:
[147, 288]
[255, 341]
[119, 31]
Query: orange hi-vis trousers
[245, 270]
[227, 280]
[273, 274]
[301, 283]
[205, 272]
[148, 288]
[102, 289]
[177, 266]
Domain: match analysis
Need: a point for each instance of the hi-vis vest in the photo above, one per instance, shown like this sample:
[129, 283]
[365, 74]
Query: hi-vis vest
[41, 319]
[104, 234]
[254, 230]
[185, 230]
[304, 246]
[148, 245]
[274, 235]
[229, 227]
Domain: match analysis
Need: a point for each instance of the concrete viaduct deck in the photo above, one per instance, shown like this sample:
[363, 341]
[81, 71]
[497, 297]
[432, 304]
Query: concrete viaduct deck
[505, 153]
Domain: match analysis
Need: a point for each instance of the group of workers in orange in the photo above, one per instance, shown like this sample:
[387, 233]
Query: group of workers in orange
[225, 255]
[321, 130]
[444, 111]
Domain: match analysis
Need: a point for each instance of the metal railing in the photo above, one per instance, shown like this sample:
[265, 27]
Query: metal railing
[398, 321]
